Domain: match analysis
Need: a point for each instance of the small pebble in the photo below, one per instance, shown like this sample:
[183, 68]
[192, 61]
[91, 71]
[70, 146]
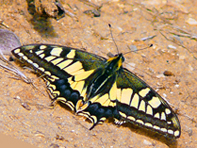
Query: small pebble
[171, 47]
[168, 73]
[191, 21]
[8, 41]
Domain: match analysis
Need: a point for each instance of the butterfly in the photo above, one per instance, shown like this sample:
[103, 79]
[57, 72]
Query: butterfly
[99, 88]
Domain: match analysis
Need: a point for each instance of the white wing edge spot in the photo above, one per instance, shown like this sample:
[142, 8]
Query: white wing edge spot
[123, 114]
[156, 127]
[20, 54]
[131, 118]
[25, 58]
[148, 124]
[164, 130]
[41, 69]
[17, 50]
[43, 47]
[48, 73]
[170, 131]
[35, 65]
[30, 61]
[140, 122]
[176, 133]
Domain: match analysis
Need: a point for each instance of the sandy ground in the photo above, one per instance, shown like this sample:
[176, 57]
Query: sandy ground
[171, 28]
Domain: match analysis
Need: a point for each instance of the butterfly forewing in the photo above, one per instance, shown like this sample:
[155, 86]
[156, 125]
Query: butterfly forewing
[65, 69]
[98, 88]
[139, 103]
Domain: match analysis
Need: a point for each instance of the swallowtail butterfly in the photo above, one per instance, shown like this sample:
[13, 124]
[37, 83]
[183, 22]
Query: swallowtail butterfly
[99, 88]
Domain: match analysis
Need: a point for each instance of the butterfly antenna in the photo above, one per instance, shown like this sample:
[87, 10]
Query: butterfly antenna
[113, 38]
[139, 49]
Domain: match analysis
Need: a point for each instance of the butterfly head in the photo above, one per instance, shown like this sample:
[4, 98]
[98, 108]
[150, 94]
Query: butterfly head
[115, 63]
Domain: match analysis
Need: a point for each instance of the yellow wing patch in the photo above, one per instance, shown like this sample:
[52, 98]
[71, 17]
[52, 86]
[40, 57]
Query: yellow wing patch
[155, 102]
[135, 101]
[56, 51]
[113, 92]
[126, 95]
[73, 67]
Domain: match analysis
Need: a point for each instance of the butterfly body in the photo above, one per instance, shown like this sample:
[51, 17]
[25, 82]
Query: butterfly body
[99, 88]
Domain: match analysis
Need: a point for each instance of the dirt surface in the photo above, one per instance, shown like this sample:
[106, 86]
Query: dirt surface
[171, 28]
